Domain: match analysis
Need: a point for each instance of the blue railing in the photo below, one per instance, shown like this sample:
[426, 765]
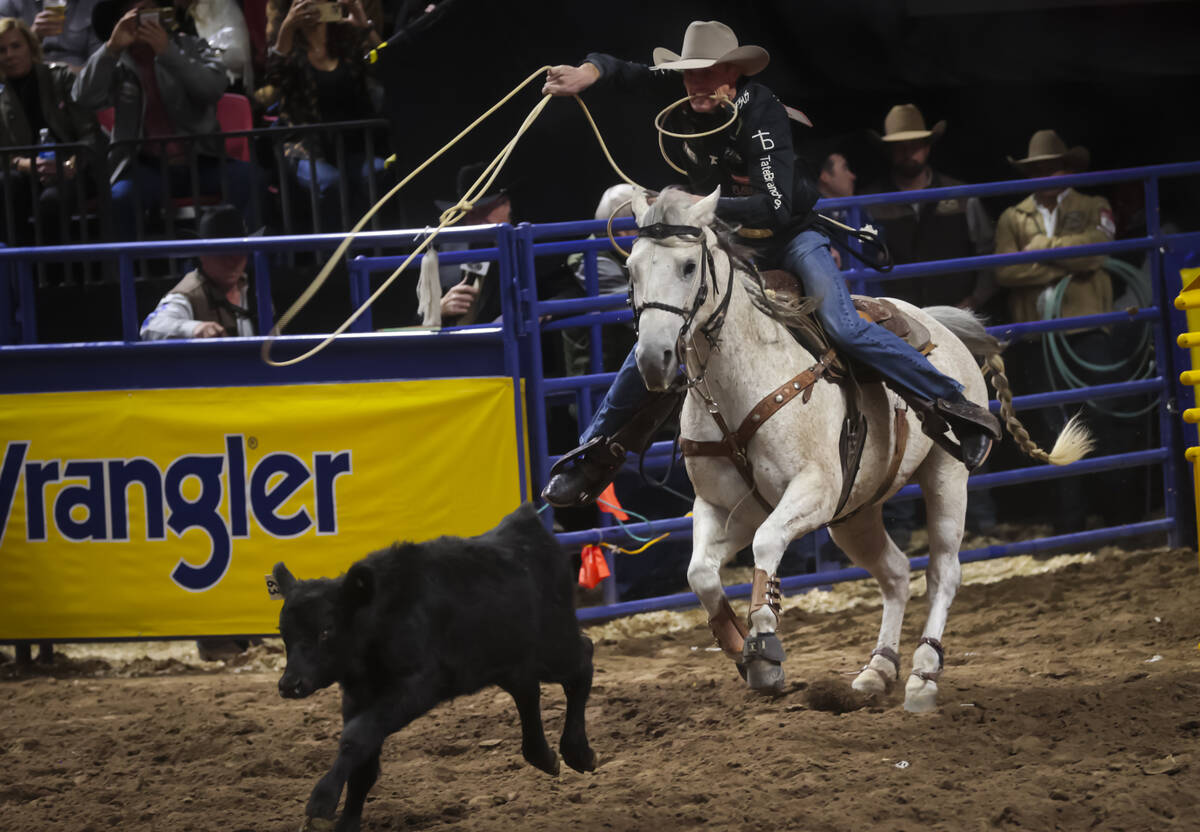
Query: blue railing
[515, 251]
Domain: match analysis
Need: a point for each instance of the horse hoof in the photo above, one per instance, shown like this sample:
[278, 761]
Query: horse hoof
[920, 695]
[764, 676]
[871, 682]
[317, 825]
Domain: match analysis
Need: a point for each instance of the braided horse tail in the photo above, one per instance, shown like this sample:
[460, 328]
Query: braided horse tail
[1073, 443]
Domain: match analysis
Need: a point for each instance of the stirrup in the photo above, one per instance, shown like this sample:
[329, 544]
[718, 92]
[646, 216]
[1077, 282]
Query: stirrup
[580, 476]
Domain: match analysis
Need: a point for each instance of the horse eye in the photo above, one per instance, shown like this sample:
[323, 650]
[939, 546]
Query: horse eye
[689, 268]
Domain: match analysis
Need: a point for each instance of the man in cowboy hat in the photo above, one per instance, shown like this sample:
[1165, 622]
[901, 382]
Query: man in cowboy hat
[765, 195]
[1054, 218]
[211, 301]
[469, 295]
[1051, 218]
[923, 231]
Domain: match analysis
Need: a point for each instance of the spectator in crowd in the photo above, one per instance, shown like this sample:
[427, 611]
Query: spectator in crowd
[161, 83]
[615, 203]
[318, 69]
[835, 180]
[932, 230]
[33, 97]
[1048, 219]
[468, 295]
[213, 300]
[612, 279]
[223, 27]
[65, 29]
[1053, 218]
[922, 231]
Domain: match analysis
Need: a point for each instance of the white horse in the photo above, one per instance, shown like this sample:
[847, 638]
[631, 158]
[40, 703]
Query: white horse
[687, 291]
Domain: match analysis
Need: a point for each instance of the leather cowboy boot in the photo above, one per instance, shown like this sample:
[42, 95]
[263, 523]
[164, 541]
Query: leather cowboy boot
[975, 427]
[579, 476]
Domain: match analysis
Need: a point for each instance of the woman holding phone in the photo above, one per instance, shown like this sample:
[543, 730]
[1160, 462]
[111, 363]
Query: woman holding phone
[316, 64]
[63, 26]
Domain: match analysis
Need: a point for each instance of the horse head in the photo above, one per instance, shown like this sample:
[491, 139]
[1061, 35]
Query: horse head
[672, 279]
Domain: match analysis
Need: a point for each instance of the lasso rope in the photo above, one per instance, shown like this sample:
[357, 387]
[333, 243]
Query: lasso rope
[448, 217]
[662, 131]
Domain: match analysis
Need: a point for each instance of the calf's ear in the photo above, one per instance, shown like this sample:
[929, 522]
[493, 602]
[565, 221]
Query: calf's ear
[359, 587]
[283, 578]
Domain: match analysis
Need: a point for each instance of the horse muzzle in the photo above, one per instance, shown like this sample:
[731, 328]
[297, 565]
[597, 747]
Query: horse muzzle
[657, 364]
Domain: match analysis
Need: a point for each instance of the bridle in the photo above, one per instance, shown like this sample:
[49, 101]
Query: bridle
[711, 328]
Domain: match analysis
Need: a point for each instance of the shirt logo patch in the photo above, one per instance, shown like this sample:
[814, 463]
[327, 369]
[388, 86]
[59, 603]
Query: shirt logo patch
[1106, 223]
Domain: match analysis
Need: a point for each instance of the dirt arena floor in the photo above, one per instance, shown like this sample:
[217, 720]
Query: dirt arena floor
[1071, 700]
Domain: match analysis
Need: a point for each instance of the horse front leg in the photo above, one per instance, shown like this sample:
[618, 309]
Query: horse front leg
[713, 545]
[805, 505]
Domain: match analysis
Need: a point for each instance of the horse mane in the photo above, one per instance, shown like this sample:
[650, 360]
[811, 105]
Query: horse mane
[790, 310]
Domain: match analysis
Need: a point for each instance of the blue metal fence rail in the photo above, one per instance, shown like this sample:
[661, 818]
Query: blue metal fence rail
[516, 251]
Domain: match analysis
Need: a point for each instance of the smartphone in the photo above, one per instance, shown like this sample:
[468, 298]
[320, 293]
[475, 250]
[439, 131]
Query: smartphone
[163, 16]
[329, 12]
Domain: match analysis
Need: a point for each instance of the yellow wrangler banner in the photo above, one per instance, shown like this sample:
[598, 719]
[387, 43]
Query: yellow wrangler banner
[149, 513]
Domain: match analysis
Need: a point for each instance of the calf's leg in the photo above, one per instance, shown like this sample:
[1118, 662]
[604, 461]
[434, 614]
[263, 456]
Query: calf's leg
[577, 686]
[362, 736]
[360, 782]
[527, 694]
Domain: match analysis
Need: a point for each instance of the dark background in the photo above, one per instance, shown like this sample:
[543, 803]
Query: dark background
[1119, 78]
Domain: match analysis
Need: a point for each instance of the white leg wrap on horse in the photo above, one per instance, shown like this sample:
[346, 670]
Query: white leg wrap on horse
[729, 631]
[920, 694]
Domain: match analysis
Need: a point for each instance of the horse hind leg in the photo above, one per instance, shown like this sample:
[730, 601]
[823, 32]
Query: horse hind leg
[866, 542]
[945, 487]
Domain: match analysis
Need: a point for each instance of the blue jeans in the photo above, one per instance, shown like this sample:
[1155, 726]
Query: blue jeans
[145, 183]
[807, 256]
[329, 201]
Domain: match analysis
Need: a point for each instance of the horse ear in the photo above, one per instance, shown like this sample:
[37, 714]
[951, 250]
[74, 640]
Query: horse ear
[703, 212]
[640, 204]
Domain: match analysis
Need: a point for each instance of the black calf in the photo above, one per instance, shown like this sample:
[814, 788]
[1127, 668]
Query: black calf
[419, 623]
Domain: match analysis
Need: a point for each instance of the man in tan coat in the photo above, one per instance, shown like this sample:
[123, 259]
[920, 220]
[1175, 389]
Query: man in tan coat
[1055, 218]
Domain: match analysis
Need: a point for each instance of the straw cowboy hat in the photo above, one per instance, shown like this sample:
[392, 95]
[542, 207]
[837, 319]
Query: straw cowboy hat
[707, 42]
[904, 123]
[1045, 146]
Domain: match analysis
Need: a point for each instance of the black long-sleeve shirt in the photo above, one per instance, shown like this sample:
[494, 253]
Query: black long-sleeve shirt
[752, 161]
